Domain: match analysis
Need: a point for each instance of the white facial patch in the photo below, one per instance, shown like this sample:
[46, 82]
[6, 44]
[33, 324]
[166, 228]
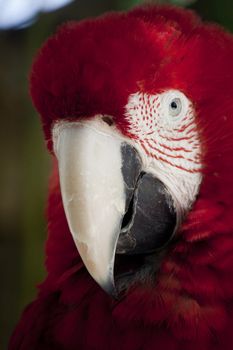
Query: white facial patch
[164, 128]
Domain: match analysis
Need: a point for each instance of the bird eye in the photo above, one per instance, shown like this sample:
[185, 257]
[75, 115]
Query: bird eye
[175, 107]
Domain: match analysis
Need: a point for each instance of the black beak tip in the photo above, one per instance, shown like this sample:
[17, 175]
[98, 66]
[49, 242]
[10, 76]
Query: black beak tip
[110, 289]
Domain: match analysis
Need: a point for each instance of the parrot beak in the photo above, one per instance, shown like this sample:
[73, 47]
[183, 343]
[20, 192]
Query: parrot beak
[102, 183]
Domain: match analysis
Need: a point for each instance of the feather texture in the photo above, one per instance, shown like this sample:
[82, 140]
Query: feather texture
[90, 68]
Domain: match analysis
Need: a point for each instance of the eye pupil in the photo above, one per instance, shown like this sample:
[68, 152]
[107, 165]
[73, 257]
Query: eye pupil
[174, 105]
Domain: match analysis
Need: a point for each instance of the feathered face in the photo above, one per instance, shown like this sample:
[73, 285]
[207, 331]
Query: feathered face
[129, 104]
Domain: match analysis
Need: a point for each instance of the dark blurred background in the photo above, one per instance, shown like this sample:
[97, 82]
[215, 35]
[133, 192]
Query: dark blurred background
[24, 25]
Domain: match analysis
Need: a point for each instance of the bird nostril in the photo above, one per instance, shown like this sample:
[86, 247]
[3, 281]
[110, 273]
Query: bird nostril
[108, 120]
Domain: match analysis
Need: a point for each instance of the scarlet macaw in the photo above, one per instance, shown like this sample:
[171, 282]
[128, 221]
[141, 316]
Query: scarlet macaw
[138, 116]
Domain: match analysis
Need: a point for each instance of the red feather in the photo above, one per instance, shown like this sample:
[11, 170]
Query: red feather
[92, 67]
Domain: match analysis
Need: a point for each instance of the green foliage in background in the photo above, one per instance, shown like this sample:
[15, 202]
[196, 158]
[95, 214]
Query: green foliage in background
[126, 4]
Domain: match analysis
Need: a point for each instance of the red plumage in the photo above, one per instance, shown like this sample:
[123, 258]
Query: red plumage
[91, 68]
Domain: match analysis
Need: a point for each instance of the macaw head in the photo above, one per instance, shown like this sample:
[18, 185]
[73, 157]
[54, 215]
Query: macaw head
[137, 108]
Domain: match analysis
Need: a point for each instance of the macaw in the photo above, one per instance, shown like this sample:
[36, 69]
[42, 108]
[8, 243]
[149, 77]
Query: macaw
[137, 111]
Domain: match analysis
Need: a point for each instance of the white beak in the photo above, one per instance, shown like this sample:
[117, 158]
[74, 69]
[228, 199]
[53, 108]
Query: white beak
[92, 187]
